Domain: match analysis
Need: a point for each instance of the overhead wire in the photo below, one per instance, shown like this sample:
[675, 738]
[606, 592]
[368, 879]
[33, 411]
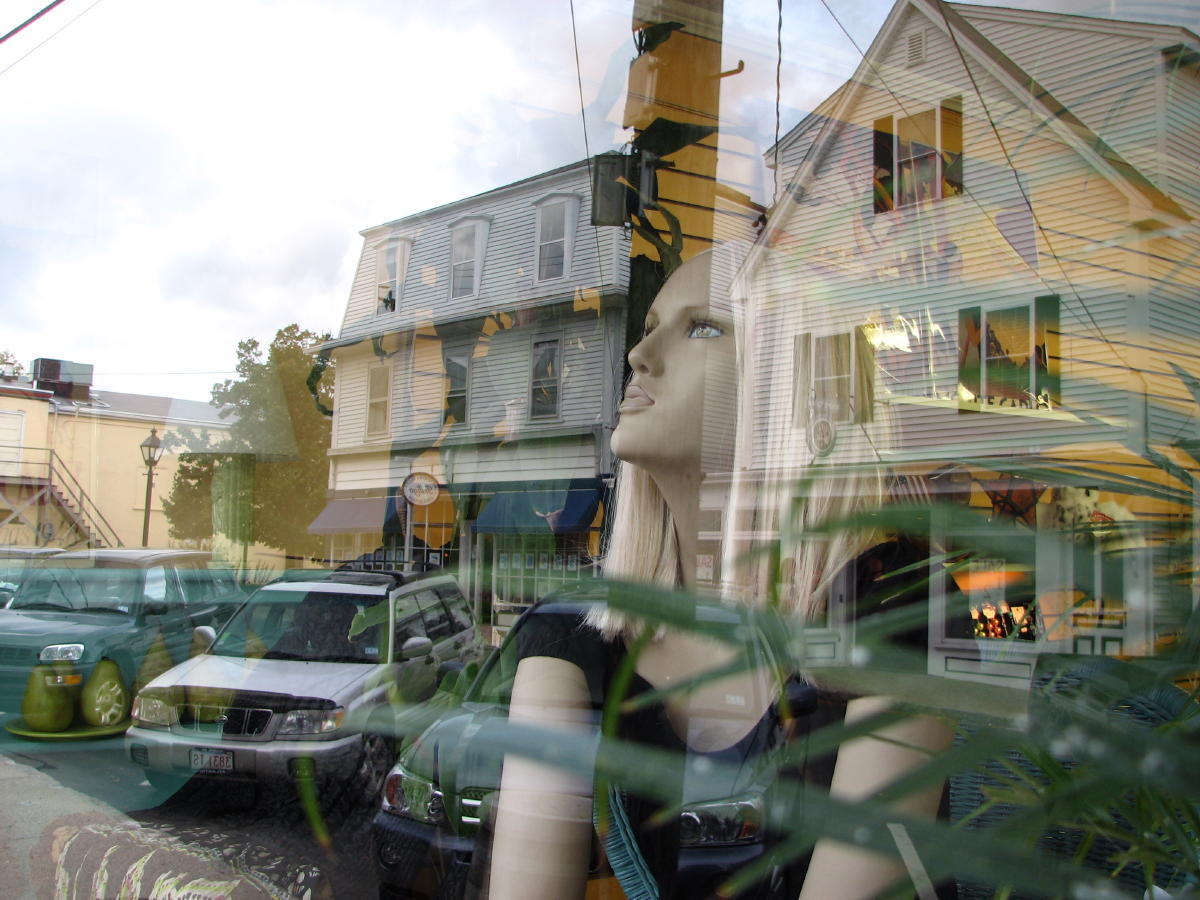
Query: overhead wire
[37, 15]
[52, 35]
[586, 147]
[966, 191]
[1021, 187]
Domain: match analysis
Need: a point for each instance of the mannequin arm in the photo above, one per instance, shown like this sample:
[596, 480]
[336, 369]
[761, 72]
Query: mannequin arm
[543, 831]
[864, 767]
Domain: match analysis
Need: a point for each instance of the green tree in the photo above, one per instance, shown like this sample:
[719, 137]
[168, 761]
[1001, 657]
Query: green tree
[8, 359]
[266, 481]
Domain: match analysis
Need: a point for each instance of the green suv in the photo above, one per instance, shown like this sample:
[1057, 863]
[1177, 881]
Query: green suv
[86, 628]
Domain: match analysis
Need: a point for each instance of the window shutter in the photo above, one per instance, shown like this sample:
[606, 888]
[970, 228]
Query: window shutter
[970, 321]
[801, 364]
[1047, 380]
[863, 396]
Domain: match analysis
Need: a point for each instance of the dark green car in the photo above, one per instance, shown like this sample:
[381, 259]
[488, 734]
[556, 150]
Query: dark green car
[87, 627]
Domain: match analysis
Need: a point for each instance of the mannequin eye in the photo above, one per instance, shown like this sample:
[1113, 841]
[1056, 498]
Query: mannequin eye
[705, 330]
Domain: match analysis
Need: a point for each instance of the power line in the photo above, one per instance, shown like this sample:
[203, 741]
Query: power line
[586, 149]
[52, 35]
[37, 15]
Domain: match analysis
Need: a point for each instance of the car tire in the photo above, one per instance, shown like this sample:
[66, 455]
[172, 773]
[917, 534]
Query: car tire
[376, 757]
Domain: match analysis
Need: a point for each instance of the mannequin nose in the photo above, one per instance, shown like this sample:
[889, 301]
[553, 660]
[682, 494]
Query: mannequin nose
[644, 357]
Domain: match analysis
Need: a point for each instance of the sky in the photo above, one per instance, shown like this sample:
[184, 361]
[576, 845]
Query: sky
[176, 177]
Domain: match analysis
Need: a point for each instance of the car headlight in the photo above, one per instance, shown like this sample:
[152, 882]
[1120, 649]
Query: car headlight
[313, 721]
[61, 653]
[152, 710]
[722, 822]
[409, 795]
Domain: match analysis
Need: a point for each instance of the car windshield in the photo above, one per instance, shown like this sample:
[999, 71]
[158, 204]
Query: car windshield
[308, 626]
[96, 590]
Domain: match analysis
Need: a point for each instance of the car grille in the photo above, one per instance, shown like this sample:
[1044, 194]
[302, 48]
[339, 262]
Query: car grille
[17, 656]
[222, 720]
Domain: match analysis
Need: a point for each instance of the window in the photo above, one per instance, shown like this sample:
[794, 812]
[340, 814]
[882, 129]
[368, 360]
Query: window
[379, 389]
[457, 361]
[834, 379]
[543, 379]
[391, 259]
[918, 158]
[1009, 356]
[556, 219]
[468, 239]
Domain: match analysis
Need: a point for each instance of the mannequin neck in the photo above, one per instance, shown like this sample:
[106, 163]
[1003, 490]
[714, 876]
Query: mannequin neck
[681, 492]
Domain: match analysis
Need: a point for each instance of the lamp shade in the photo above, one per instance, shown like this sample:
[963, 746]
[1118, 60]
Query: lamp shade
[152, 448]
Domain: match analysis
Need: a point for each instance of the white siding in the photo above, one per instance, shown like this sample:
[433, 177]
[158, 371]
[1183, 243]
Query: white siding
[508, 268]
[841, 266]
[1103, 74]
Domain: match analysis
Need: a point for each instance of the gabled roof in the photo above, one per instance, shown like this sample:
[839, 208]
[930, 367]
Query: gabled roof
[831, 115]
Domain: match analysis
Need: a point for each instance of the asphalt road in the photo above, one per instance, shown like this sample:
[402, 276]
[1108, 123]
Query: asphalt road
[217, 815]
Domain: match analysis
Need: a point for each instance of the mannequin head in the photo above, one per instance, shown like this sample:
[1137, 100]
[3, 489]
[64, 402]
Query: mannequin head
[711, 375]
[683, 382]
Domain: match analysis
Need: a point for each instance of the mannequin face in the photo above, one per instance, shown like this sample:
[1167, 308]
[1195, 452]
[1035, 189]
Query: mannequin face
[683, 382]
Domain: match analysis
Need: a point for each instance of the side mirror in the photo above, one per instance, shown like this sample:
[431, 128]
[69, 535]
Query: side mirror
[416, 647]
[204, 635]
[154, 607]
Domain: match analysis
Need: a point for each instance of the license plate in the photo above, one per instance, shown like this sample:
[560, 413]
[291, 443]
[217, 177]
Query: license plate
[204, 760]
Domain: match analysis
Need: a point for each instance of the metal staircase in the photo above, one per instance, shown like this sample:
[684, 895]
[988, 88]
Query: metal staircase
[34, 480]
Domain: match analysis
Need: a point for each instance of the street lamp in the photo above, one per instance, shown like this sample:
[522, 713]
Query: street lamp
[152, 451]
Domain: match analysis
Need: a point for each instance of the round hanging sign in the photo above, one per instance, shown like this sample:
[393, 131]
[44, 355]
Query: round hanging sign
[420, 488]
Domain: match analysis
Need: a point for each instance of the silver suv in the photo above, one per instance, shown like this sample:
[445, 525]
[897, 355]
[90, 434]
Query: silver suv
[304, 681]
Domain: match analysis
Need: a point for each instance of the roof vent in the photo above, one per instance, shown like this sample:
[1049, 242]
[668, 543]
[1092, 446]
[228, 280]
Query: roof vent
[916, 48]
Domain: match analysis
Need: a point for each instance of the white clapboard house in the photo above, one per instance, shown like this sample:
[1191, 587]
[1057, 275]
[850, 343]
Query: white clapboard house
[988, 238]
[480, 354]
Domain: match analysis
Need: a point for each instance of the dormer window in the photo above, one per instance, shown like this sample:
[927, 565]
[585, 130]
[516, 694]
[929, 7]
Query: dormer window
[468, 242]
[391, 260]
[557, 216]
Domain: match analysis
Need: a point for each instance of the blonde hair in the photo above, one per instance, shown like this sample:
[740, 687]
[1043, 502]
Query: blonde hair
[642, 544]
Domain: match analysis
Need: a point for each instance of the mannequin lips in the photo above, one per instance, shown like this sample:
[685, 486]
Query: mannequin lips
[636, 398]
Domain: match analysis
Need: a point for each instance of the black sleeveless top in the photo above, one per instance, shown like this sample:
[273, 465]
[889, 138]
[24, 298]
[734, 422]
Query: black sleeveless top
[808, 709]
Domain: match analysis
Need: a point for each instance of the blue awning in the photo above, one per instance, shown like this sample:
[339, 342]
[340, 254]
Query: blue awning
[532, 512]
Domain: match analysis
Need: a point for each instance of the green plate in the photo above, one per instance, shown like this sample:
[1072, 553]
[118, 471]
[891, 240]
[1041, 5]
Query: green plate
[74, 733]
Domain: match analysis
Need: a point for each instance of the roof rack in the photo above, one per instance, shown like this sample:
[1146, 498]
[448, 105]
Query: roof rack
[388, 577]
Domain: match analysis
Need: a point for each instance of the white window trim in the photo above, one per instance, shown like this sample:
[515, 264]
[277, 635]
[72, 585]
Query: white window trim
[467, 348]
[387, 400]
[482, 226]
[805, 378]
[403, 245]
[939, 149]
[570, 225]
[533, 342]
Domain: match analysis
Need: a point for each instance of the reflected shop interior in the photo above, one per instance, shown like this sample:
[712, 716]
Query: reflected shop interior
[685, 448]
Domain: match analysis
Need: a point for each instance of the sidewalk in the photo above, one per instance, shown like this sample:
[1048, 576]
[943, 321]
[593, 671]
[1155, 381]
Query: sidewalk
[56, 841]
[31, 803]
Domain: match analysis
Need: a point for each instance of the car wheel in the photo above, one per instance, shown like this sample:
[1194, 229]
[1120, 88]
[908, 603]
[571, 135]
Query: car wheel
[375, 761]
[105, 699]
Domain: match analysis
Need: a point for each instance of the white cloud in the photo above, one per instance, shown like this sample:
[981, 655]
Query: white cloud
[177, 177]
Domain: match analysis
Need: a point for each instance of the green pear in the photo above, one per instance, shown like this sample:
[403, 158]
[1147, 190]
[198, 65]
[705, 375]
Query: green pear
[157, 660]
[46, 706]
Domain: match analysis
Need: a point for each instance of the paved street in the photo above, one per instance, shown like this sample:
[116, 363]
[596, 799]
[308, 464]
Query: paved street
[45, 785]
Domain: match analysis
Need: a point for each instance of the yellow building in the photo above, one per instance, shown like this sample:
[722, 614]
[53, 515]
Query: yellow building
[71, 468]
